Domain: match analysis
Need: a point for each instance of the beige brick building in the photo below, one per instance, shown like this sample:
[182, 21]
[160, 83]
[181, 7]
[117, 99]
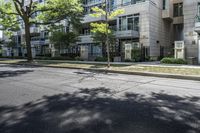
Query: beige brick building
[154, 26]
[159, 23]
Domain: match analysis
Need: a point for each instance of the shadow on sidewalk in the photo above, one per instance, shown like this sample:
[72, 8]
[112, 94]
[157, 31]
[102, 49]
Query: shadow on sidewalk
[94, 111]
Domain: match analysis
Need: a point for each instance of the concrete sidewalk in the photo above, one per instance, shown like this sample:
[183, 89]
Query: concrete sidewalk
[123, 68]
[152, 63]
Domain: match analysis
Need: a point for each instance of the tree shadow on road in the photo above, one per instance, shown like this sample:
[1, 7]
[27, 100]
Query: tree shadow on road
[4, 74]
[95, 111]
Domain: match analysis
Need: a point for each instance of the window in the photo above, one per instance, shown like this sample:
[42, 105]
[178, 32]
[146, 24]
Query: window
[130, 22]
[113, 4]
[128, 2]
[178, 9]
[198, 13]
[165, 4]
[136, 24]
[122, 22]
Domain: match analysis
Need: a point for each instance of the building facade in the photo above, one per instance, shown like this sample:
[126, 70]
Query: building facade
[158, 28]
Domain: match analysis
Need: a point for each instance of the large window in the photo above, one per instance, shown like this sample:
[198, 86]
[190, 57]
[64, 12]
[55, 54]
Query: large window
[130, 22]
[87, 2]
[178, 9]
[198, 13]
[165, 4]
[113, 4]
[128, 2]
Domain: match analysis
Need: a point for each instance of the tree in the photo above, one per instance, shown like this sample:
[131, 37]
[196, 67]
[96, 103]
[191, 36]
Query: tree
[103, 27]
[14, 12]
[63, 39]
[99, 38]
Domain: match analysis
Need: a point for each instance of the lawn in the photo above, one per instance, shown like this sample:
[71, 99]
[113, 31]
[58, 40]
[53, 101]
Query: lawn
[117, 67]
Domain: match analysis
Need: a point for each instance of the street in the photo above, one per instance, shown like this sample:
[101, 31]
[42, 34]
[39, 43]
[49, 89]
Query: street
[55, 100]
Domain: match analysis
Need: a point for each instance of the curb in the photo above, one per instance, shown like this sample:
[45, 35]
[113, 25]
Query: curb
[149, 74]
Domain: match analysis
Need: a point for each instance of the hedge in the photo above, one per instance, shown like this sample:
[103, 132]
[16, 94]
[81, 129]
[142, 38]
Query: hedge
[101, 59]
[173, 61]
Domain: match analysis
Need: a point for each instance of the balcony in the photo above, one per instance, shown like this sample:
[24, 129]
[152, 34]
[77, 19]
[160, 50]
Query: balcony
[92, 3]
[85, 39]
[37, 42]
[167, 15]
[89, 19]
[32, 30]
[178, 20]
[127, 34]
[197, 24]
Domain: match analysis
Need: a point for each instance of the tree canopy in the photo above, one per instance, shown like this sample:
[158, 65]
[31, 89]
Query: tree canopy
[16, 14]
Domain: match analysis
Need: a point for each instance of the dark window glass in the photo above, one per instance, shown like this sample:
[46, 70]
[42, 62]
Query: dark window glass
[178, 9]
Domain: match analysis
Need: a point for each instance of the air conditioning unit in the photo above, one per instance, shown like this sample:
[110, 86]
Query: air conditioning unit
[179, 44]
[179, 50]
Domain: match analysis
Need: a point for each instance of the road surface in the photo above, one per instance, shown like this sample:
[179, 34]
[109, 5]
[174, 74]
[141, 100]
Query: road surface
[54, 100]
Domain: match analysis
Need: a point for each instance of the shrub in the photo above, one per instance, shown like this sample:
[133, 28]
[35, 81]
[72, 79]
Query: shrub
[173, 61]
[13, 57]
[53, 58]
[78, 58]
[101, 59]
[147, 58]
[136, 54]
[128, 60]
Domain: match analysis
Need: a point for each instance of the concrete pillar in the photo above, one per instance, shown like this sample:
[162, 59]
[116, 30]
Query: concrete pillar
[84, 52]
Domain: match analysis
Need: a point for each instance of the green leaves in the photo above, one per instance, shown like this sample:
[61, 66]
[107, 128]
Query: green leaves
[103, 27]
[48, 13]
[115, 13]
[8, 17]
[98, 12]
[100, 27]
[59, 38]
[53, 11]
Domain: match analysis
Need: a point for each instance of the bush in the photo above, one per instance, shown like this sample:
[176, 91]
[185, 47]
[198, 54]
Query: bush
[136, 55]
[173, 61]
[101, 59]
[13, 57]
[77, 58]
[128, 60]
[53, 58]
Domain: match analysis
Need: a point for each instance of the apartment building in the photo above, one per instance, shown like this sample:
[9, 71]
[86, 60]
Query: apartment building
[157, 27]
[142, 25]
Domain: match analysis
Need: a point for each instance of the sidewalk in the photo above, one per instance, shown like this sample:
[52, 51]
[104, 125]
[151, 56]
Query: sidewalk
[143, 68]
[153, 63]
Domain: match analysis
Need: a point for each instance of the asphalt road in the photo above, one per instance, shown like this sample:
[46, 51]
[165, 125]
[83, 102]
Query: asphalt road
[51, 100]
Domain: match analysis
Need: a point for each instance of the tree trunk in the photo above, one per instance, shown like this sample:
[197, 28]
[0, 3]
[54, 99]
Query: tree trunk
[107, 38]
[104, 49]
[108, 52]
[28, 42]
